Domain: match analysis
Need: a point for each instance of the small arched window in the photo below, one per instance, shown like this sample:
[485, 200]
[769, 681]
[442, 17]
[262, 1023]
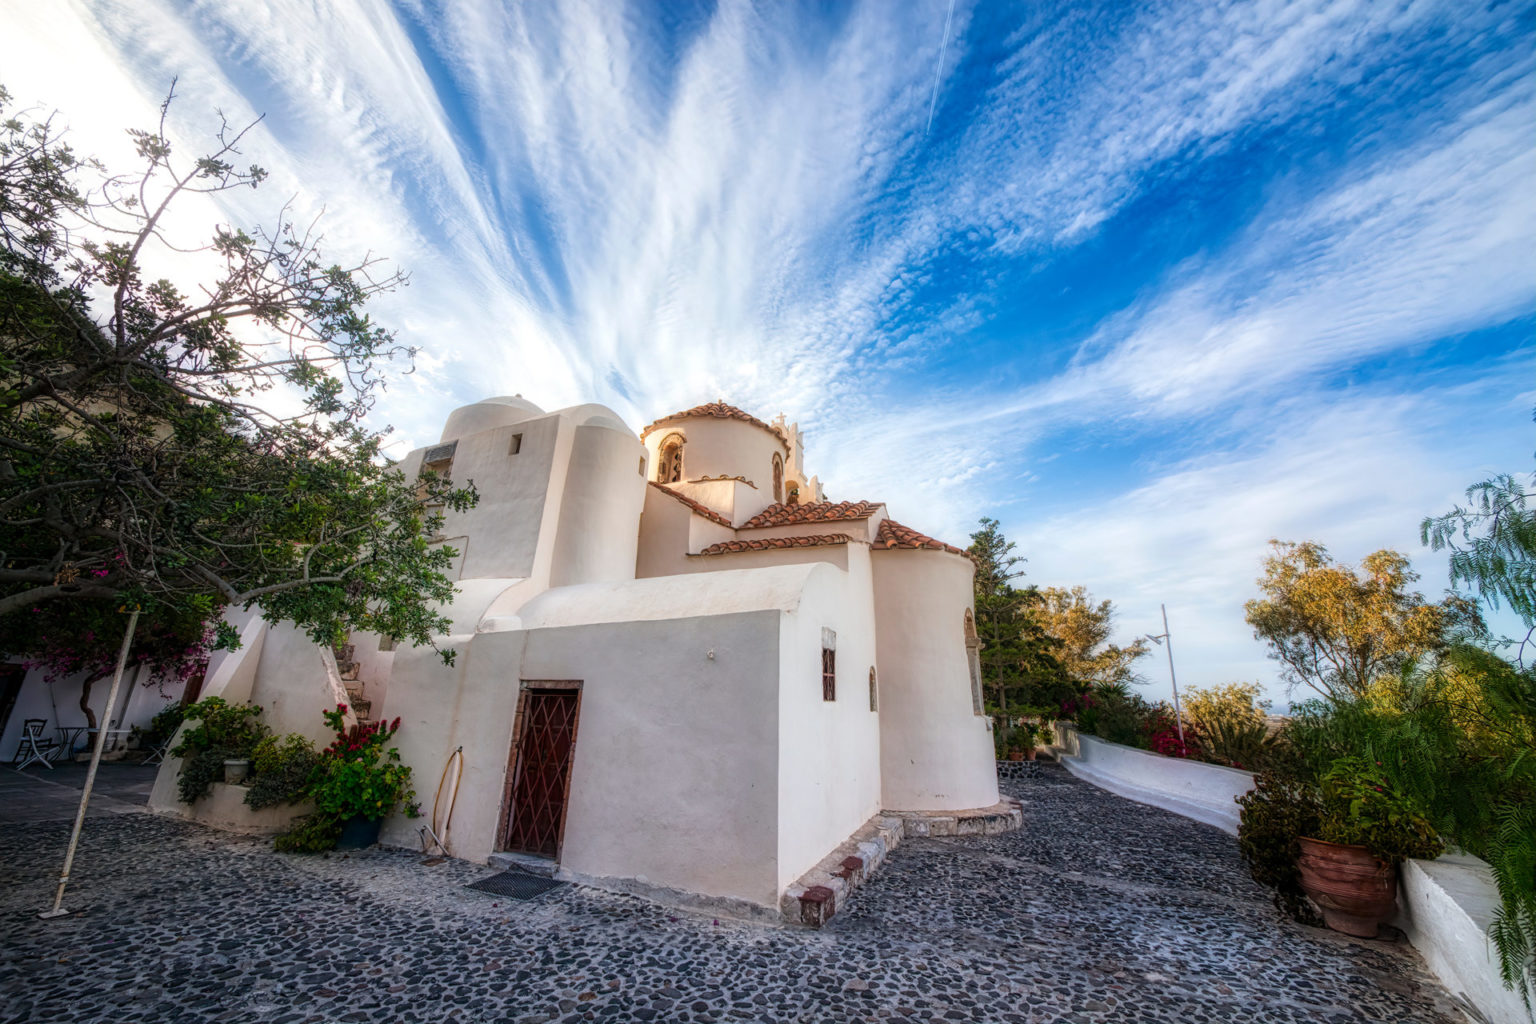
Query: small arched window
[778, 478]
[669, 467]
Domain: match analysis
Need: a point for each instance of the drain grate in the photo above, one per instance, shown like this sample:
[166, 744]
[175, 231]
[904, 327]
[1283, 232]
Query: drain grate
[516, 884]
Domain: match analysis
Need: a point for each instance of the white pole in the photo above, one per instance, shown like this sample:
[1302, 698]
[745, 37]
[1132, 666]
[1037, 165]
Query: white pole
[90, 776]
[1178, 711]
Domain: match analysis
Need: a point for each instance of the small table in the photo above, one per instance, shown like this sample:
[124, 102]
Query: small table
[69, 738]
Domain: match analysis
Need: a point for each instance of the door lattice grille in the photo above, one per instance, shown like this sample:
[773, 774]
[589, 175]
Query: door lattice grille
[543, 772]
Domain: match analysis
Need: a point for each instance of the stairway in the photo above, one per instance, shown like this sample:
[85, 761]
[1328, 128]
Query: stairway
[361, 706]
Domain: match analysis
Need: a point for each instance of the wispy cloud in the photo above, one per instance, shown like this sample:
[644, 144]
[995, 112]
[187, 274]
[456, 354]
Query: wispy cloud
[654, 205]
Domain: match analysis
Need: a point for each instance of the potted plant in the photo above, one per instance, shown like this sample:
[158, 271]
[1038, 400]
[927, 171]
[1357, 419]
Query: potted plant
[216, 745]
[1366, 827]
[1028, 736]
[356, 784]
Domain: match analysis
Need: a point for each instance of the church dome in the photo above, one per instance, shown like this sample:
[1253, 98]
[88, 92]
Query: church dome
[488, 414]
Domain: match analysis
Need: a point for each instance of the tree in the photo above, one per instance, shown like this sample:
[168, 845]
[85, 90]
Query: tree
[1492, 540]
[143, 457]
[83, 637]
[1019, 663]
[1084, 629]
[1337, 629]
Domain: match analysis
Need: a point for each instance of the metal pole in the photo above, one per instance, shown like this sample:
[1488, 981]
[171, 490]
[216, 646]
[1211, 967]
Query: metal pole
[90, 776]
[1178, 711]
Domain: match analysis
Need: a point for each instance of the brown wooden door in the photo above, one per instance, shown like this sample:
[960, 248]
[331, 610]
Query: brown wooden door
[535, 815]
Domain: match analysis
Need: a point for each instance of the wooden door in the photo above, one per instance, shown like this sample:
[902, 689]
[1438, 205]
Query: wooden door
[534, 818]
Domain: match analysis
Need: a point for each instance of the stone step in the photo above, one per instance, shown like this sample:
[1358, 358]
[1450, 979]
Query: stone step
[527, 863]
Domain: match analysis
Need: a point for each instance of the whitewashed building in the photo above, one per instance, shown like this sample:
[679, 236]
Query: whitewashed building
[678, 668]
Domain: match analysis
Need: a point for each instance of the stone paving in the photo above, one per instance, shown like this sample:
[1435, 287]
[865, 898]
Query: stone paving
[1097, 910]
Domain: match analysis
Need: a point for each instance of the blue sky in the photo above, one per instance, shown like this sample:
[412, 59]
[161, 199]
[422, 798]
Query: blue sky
[1158, 282]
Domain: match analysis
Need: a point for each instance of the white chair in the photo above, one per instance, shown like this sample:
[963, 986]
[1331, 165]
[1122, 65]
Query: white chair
[33, 748]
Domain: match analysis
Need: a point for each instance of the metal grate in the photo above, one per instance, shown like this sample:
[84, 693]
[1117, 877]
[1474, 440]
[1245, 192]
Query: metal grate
[544, 766]
[516, 884]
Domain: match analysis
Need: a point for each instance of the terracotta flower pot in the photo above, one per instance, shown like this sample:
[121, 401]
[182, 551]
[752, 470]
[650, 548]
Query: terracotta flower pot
[1354, 890]
[1029, 755]
[1015, 755]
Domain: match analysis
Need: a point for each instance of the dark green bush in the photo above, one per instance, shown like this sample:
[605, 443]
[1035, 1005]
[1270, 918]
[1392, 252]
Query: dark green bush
[281, 772]
[221, 731]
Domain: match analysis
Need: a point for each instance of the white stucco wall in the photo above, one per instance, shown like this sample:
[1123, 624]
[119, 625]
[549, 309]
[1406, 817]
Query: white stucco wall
[59, 703]
[469, 704]
[1204, 792]
[829, 751]
[600, 508]
[935, 751]
[1446, 907]
[514, 510]
[673, 775]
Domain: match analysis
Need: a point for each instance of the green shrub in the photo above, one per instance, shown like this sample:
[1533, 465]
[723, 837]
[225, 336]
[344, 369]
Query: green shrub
[1282, 806]
[1236, 742]
[161, 728]
[358, 775]
[221, 731]
[281, 772]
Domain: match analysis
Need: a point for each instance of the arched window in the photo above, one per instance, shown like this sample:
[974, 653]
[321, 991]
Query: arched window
[973, 657]
[669, 469]
[778, 478]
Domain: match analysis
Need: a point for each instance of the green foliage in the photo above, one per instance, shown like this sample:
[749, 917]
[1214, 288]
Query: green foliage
[223, 731]
[1492, 540]
[1087, 657]
[1236, 742]
[1019, 658]
[281, 772]
[137, 462]
[1338, 630]
[1231, 723]
[1282, 807]
[313, 833]
[358, 775]
[1363, 806]
[162, 727]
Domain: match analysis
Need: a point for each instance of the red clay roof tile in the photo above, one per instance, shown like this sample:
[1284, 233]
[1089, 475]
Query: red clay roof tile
[718, 411]
[813, 512]
[893, 535]
[703, 510]
[731, 547]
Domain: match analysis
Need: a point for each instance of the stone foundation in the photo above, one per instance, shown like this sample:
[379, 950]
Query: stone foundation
[824, 890]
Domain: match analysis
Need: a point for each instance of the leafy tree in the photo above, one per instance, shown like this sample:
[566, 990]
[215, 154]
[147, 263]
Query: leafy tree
[185, 448]
[1337, 629]
[1492, 540]
[1084, 629]
[1020, 666]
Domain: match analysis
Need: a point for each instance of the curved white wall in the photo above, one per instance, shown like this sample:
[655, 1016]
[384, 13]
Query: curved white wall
[935, 751]
[1204, 792]
[600, 509]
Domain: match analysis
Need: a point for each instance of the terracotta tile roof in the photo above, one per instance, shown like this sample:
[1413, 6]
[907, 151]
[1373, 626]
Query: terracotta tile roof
[730, 547]
[812, 512]
[893, 535]
[703, 510]
[719, 411]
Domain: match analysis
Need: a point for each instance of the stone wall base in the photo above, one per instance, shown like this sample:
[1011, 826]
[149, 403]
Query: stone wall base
[824, 890]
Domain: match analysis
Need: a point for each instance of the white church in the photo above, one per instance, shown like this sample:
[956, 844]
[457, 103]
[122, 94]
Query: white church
[680, 670]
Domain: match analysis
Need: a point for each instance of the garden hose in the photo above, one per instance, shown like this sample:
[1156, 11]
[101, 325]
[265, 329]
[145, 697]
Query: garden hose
[440, 835]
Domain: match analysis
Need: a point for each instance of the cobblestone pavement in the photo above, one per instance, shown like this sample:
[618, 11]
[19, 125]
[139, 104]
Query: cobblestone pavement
[1099, 910]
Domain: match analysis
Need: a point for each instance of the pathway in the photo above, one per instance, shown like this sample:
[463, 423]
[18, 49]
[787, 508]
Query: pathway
[1099, 910]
